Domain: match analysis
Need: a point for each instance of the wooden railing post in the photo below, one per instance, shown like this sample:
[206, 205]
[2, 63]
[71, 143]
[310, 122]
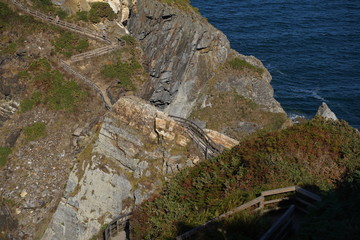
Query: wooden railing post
[262, 202]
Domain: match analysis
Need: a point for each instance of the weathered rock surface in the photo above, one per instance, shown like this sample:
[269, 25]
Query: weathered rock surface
[221, 139]
[184, 51]
[136, 149]
[325, 111]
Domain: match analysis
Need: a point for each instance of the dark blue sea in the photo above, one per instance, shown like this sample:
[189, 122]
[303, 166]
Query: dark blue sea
[311, 48]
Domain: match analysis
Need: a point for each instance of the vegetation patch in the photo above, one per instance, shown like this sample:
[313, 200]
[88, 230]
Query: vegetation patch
[51, 88]
[182, 5]
[223, 106]
[47, 7]
[337, 216]
[82, 16]
[68, 44]
[100, 10]
[9, 49]
[242, 65]
[130, 40]
[318, 153]
[4, 153]
[35, 131]
[123, 72]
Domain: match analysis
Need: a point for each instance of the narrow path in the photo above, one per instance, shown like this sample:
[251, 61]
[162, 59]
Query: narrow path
[61, 23]
[101, 92]
[93, 53]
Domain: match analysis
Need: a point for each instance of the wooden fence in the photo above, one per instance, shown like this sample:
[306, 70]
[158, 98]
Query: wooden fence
[70, 70]
[198, 135]
[303, 196]
[61, 23]
[117, 225]
[93, 53]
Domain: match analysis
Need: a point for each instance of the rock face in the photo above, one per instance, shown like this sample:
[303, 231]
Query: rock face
[324, 111]
[184, 52]
[136, 148]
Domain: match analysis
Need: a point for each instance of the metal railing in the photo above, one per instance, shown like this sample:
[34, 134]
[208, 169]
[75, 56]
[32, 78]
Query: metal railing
[198, 135]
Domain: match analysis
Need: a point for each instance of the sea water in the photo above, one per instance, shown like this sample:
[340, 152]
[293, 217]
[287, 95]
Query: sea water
[311, 48]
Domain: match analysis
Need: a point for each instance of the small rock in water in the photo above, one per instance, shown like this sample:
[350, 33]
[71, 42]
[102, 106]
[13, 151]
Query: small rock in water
[324, 111]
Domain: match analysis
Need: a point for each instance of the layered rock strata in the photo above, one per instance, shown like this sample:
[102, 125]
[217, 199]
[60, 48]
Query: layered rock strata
[184, 52]
[137, 148]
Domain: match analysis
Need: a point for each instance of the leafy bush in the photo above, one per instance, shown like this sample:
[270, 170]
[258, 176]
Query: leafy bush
[123, 72]
[317, 153]
[101, 10]
[130, 40]
[4, 153]
[241, 65]
[63, 95]
[68, 43]
[51, 88]
[35, 131]
[82, 16]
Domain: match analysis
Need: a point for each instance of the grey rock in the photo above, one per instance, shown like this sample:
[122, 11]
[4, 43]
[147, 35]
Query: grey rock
[325, 111]
[184, 52]
[12, 138]
[78, 132]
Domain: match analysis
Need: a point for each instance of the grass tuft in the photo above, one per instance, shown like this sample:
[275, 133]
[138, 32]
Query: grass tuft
[4, 153]
[242, 65]
[35, 131]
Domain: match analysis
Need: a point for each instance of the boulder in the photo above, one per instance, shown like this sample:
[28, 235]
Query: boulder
[325, 112]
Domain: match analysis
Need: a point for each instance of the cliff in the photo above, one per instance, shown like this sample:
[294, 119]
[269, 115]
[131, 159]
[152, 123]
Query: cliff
[188, 61]
[134, 150]
[184, 51]
[72, 157]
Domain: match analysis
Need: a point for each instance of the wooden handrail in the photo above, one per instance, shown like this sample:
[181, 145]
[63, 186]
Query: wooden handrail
[70, 70]
[278, 227]
[200, 137]
[119, 224]
[261, 204]
[64, 24]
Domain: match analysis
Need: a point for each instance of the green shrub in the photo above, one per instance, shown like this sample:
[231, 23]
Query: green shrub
[241, 65]
[68, 43]
[35, 131]
[294, 156]
[4, 153]
[51, 89]
[122, 72]
[101, 10]
[64, 95]
[130, 40]
[28, 103]
[82, 16]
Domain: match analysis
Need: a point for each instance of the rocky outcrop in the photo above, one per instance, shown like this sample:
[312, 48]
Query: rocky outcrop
[221, 139]
[325, 111]
[184, 52]
[136, 149]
